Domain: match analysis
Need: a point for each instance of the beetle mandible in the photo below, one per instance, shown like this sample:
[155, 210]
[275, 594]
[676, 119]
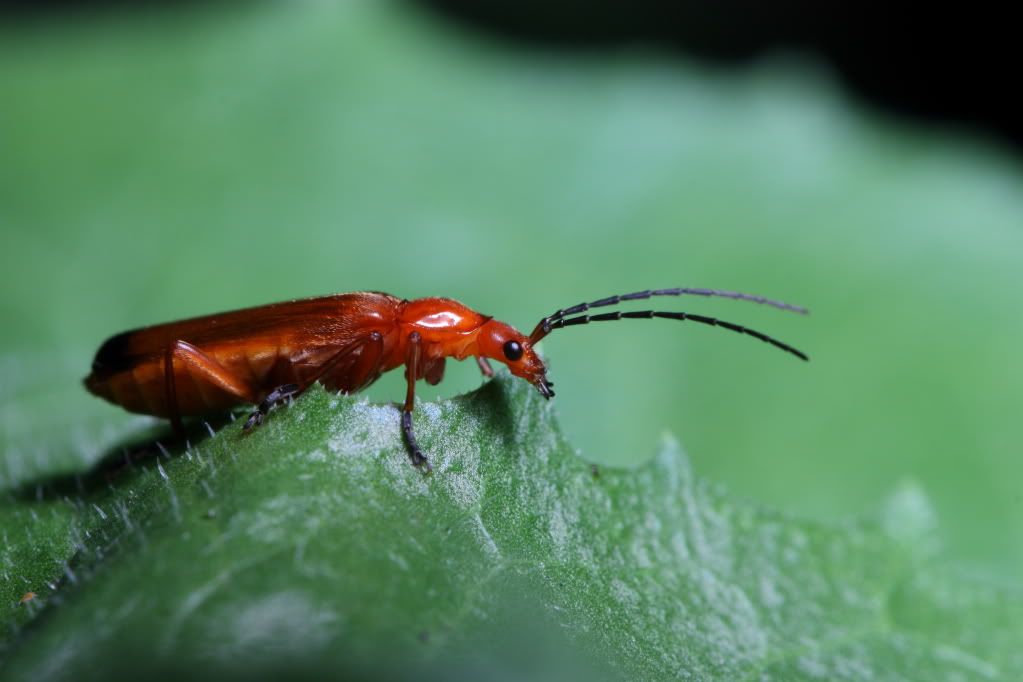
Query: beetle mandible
[267, 355]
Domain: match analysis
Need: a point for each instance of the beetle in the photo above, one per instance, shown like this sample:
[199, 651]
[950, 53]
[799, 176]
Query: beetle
[270, 354]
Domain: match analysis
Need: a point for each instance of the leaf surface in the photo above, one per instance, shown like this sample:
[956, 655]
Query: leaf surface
[314, 544]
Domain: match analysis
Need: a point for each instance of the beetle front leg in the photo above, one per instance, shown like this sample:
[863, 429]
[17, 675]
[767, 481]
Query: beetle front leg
[411, 372]
[484, 366]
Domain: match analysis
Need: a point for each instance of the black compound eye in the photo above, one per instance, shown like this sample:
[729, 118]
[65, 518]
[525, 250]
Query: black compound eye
[512, 350]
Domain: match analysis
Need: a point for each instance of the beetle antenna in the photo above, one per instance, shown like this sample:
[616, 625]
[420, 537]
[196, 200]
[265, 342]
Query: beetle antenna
[681, 317]
[544, 327]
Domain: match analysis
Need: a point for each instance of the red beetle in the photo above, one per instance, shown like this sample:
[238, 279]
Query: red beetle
[266, 355]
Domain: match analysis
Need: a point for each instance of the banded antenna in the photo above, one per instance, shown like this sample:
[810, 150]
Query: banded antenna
[562, 318]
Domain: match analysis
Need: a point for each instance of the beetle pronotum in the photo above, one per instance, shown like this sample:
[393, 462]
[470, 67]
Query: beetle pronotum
[267, 355]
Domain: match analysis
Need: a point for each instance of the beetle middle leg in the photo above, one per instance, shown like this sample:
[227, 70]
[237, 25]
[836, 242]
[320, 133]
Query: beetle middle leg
[434, 372]
[411, 372]
[366, 369]
[279, 395]
[286, 392]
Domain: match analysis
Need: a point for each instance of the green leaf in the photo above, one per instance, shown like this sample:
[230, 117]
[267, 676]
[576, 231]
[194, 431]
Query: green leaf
[313, 544]
[221, 155]
[216, 158]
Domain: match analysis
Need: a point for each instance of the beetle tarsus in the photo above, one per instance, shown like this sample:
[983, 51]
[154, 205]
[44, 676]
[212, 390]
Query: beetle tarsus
[255, 419]
[279, 395]
[415, 453]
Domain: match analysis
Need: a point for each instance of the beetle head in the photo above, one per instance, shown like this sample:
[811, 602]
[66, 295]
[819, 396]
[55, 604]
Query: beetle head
[502, 342]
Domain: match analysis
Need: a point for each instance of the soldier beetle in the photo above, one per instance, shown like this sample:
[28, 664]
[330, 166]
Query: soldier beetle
[270, 354]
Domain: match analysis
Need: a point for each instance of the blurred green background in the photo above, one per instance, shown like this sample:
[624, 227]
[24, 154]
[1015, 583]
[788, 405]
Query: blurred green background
[162, 164]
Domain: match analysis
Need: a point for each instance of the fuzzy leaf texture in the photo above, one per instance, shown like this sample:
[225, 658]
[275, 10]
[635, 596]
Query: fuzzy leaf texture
[312, 545]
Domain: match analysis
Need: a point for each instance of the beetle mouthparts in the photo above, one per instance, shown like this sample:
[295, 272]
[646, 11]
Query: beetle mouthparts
[544, 387]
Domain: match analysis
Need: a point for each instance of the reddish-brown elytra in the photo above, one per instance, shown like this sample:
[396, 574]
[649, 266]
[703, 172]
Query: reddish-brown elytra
[267, 355]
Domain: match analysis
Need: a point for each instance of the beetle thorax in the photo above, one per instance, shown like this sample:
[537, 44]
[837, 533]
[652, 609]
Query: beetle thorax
[448, 328]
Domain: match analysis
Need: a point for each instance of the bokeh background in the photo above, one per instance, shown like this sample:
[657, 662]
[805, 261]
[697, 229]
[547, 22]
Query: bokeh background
[164, 162]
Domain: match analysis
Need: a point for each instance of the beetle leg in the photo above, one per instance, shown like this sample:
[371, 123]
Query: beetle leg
[376, 338]
[411, 372]
[279, 395]
[485, 367]
[367, 367]
[288, 391]
[201, 366]
[171, 392]
[435, 372]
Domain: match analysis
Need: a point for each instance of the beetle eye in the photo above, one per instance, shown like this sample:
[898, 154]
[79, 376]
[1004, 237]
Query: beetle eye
[512, 350]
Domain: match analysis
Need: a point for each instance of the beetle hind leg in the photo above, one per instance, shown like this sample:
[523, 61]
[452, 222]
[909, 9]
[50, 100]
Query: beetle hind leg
[203, 368]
